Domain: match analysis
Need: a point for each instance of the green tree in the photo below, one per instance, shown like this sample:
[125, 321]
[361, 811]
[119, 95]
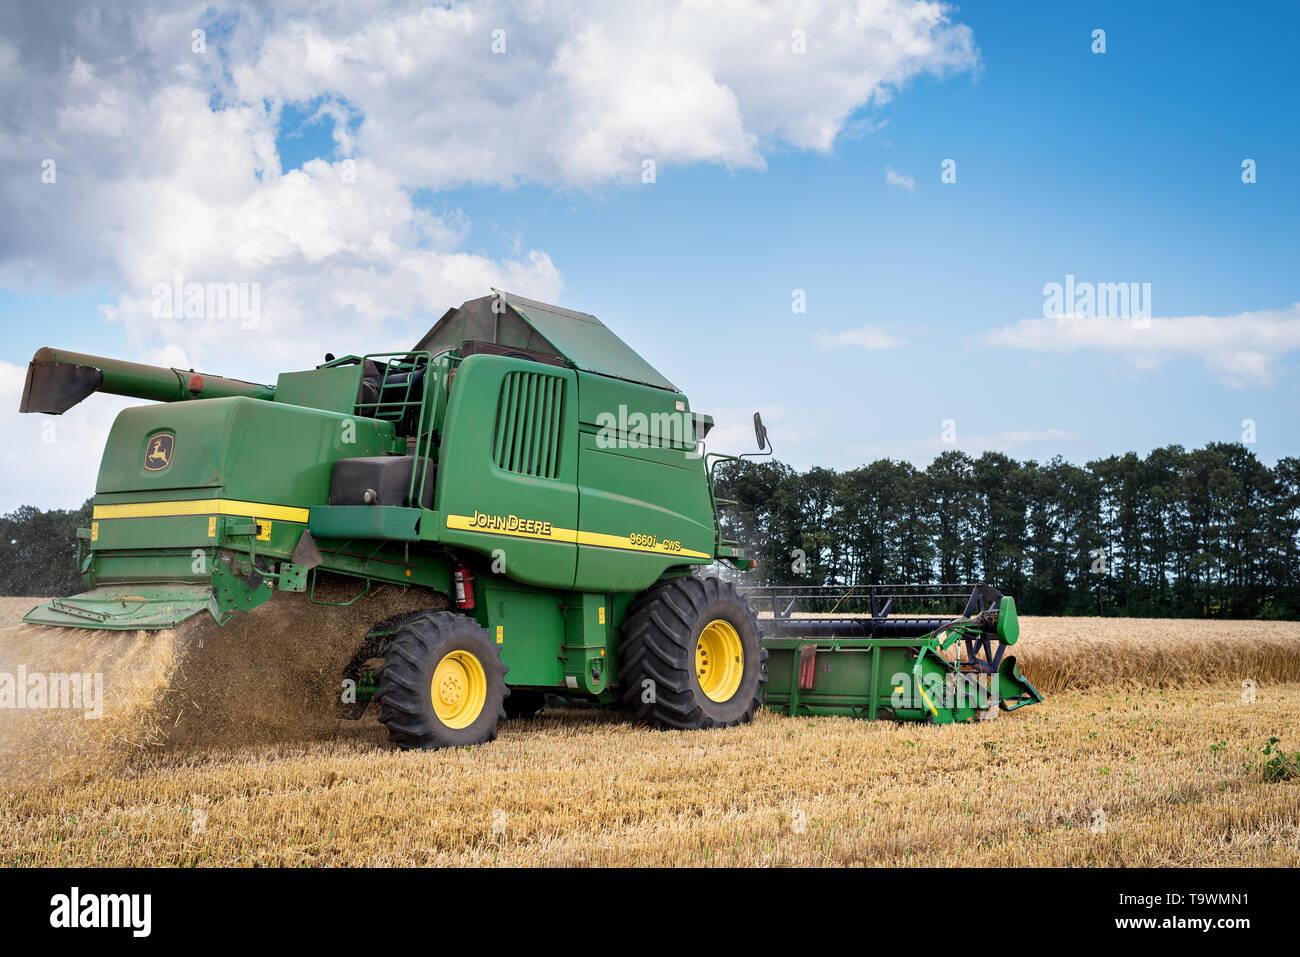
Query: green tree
[38, 550]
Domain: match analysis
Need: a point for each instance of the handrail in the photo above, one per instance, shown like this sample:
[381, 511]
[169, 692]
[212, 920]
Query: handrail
[394, 410]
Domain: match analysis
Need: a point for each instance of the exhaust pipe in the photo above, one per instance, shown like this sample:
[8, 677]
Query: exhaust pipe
[58, 380]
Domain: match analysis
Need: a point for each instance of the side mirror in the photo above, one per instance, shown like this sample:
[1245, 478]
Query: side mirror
[760, 432]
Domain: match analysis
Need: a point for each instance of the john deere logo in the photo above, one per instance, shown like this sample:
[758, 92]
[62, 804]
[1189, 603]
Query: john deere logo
[158, 453]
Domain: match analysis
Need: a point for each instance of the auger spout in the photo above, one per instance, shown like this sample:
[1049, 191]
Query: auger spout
[58, 380]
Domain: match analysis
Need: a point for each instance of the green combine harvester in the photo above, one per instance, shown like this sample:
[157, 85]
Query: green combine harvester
[534, 474]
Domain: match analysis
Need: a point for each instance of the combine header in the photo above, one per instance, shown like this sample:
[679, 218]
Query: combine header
[534, 486]
[893, 664]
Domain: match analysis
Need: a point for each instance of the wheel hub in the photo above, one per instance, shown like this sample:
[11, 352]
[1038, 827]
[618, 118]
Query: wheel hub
[719, 660]
[458, 689]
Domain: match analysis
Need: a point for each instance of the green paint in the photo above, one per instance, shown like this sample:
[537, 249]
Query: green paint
[903, 679]
[121, 607]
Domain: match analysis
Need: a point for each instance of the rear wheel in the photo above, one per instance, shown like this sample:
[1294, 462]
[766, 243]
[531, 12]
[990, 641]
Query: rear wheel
[442, 683]
[691, 656]
[365, 661]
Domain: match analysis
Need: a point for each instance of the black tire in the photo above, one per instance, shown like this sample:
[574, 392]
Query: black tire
[406, 693]
[661, 636]
[372, 646]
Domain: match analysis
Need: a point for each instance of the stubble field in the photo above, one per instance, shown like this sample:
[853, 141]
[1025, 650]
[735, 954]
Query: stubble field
[1147, 752]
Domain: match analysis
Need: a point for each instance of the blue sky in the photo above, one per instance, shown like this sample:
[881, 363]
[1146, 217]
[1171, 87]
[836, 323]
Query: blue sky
[1123, 166]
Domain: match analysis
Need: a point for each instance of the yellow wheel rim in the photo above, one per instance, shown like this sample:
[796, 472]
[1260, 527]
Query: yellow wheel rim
[458, 689]
[719, 660]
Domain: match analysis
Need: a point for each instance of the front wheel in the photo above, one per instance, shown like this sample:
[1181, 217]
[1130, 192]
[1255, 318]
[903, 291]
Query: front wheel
[691, 656]
[442, 683]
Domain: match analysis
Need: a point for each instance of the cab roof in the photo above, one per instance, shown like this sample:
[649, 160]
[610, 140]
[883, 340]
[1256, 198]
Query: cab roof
[580, 339]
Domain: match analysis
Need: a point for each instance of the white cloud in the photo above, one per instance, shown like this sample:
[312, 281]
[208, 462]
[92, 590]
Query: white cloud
[167, 161]
[894, 178]
[1241, 350]
[585, 91]
[339, 266]
[12, 378]
[50, 461]
[863, 337]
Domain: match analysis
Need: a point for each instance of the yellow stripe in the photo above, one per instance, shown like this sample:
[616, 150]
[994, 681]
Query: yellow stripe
[622, 541]
[921, 688]
[465, 523]
[203, 506]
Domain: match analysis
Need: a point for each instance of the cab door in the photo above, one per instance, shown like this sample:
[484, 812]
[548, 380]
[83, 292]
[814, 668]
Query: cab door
[507, 467]
[644, 503]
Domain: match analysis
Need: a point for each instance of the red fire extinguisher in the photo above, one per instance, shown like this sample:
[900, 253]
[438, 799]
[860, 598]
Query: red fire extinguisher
[464, 579]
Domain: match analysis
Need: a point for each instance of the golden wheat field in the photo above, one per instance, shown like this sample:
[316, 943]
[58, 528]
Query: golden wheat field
[1145, 753]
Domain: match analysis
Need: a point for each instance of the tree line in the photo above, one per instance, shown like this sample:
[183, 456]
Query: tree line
[1208, 532]
[38, 550]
